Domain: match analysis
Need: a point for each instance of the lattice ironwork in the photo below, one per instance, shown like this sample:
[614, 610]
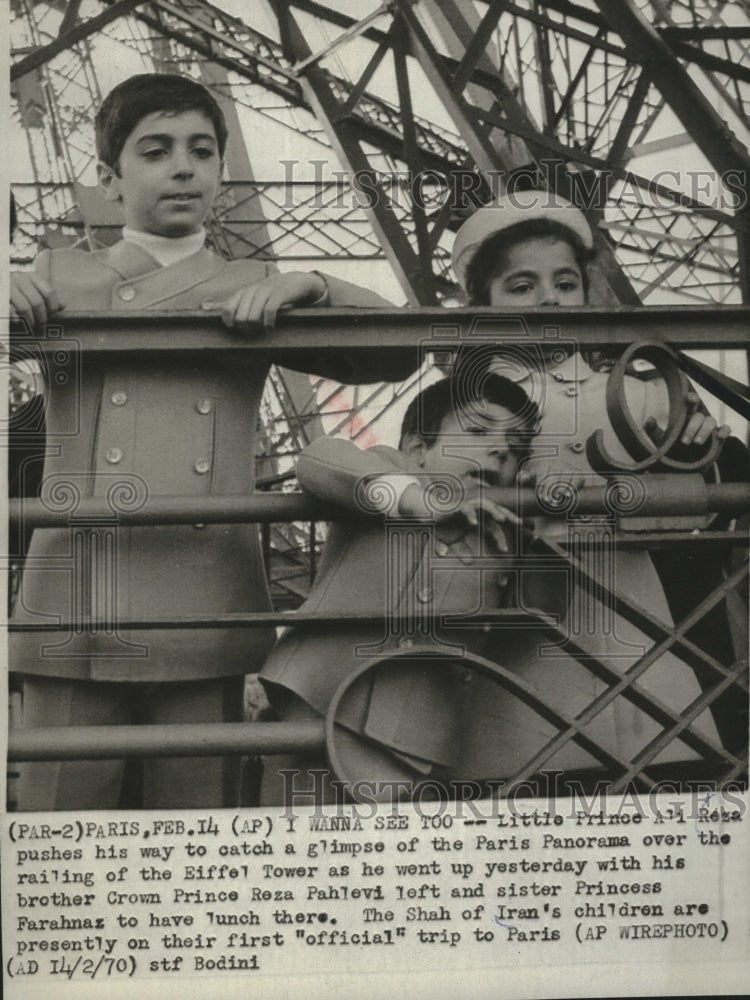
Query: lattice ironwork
[469, 92]
[566, 85]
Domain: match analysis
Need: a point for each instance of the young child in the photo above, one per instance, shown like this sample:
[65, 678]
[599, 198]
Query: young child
[533, 249]
[155, 427]
[444, 548]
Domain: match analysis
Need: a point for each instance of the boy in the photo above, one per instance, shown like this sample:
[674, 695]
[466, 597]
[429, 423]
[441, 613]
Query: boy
[154, 427]
[459, 439]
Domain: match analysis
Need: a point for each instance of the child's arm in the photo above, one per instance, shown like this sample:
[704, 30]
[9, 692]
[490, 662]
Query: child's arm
[698, 426]
[338, 471]
[382, 480]
[254, 309]
[32, 298]
[473, 506]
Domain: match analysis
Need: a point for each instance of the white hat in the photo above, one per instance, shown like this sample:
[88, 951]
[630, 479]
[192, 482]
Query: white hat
[521, 206]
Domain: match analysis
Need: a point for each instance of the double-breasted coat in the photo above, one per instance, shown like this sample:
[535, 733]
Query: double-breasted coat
[406, 572]
[169, 428]
[151, 427]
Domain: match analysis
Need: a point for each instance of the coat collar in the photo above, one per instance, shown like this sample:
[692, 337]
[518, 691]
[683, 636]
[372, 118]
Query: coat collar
[156, 283]
[128, 259]
[573, 368]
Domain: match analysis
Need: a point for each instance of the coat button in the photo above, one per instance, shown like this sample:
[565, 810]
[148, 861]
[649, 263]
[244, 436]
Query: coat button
[127, 294]
[576, 446]
[201, 466]
[113, 455]
[441, 549]
[424, 595]
[204, 406]
[119, 398]
[406, 643]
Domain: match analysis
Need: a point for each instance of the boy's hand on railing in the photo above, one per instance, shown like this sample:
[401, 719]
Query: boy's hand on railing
[474, 507]
[254, 309]
[480, 510]
[32, 298]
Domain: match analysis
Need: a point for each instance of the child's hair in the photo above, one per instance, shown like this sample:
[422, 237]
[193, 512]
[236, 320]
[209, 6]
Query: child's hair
[492, 256]
[141, 95]
[465, 390]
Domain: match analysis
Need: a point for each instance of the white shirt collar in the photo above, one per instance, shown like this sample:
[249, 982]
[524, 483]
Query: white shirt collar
[166, 249]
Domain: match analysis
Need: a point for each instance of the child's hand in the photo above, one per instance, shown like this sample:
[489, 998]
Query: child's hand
[476, 502]
[32, 298]
[697, 428]
[254, 309]
[493, 516]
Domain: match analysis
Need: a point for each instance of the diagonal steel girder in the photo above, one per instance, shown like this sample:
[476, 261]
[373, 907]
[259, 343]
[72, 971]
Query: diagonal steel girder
[200, 33]
[72, 36]
[263, 61]
[485, 153]
[708, 130]
[197, 32]
[344, 136]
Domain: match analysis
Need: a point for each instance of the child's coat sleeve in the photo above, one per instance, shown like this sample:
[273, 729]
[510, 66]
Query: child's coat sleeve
[337, 470]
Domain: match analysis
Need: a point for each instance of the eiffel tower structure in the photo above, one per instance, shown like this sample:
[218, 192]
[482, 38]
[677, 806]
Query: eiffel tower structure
[363, 133]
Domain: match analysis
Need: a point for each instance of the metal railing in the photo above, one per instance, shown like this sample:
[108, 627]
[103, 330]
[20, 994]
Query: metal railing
[120, 337]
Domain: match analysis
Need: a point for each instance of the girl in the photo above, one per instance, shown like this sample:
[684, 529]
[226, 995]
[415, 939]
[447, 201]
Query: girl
[530, 250]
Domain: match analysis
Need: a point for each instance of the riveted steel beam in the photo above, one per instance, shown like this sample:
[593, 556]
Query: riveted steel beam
[305, 333]
[708, 130]
[71, 37]
[345, 139]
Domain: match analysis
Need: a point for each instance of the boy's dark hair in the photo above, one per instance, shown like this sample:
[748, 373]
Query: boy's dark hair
[492, 255]
[140, 95]
[466, 389]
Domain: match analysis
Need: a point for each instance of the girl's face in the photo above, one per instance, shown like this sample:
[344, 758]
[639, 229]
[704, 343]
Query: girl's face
[539, 271]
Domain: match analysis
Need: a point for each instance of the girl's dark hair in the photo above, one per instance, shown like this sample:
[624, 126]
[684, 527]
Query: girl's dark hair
[141, 95]
[492, 255]
[466, 389]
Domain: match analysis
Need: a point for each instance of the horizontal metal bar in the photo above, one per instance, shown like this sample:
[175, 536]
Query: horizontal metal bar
[502, 617]
[310, 331]
[194, 740]
[664, 495]
[622, 540]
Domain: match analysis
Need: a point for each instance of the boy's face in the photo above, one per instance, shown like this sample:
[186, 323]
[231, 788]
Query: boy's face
[539, 271]
[169, 173]
[477, 445]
